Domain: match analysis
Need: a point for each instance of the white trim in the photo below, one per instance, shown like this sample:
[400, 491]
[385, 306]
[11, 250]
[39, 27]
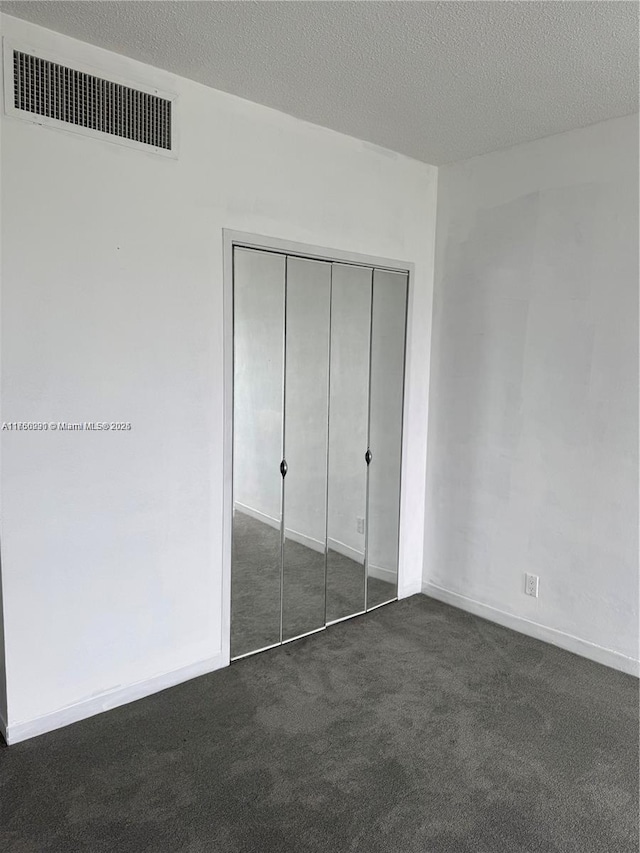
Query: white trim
[555, 637]
[345, 618]
[381, 574]
[293, 535]
[11, 44]
[382, 604]
[303, 539]
[346, 550]
[227, 446]
[378, 572]
[256, 651]
[307, 634]
[17, 732]
[255, 513]
[413, 588]
[319, 253]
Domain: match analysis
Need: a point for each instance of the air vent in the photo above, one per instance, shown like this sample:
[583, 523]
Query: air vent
[78, 100]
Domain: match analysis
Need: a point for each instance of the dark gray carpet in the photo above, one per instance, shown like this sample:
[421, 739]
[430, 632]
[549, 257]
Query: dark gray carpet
[255, 587]
[414, 729]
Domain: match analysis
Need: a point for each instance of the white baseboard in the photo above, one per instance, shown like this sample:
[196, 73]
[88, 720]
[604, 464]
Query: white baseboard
[608, 657]
[345, 550]
[414, 587]
[255, 513]
[302, 539]
[317, 545]
[293, 535]
[382, 574]
[16, 732]
[358, 557]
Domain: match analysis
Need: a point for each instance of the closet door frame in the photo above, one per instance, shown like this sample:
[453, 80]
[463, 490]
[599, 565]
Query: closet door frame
[239, 239]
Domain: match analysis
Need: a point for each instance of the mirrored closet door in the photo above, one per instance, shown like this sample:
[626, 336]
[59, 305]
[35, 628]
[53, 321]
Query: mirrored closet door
[305, 446]
[319, 350]
[386, 399]
[348, 440]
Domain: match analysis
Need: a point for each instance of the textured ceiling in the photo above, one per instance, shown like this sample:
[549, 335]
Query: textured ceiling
[437, 81]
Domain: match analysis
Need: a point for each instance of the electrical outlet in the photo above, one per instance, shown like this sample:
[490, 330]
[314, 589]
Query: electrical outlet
[360, 524]
[531, 585]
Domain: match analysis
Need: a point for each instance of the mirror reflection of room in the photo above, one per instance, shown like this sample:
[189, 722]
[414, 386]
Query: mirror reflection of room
[318, 399]
[308, 285]
[348, 439]
[257, 450]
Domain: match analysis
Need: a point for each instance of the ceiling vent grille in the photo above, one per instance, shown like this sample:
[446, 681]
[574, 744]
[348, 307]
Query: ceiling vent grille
[60, 94]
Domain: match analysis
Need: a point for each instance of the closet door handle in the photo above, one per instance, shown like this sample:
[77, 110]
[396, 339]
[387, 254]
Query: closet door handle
[284, 468]
[368, 456]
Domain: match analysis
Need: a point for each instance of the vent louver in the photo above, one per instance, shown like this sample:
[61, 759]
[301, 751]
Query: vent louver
[47, 89]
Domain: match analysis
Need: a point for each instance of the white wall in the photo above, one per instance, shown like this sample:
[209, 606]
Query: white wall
[112, 310]
[533, 433]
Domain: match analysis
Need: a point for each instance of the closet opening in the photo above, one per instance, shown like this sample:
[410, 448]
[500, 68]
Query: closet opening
[318, 373]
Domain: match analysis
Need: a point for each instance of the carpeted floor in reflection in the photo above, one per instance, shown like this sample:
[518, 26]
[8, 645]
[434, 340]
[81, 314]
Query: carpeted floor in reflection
[255, 587]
